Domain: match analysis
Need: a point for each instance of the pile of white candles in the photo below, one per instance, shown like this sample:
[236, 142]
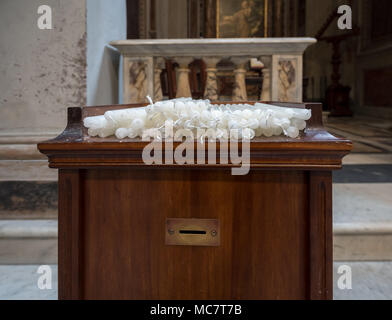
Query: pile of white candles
[184, 117]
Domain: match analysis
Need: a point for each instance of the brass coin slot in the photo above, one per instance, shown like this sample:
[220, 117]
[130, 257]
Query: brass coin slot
[192, 232]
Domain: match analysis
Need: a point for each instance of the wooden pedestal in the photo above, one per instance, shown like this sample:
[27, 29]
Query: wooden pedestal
[275, 224]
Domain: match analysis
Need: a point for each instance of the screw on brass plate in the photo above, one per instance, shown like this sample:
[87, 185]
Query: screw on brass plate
[214, 233]
[171, 231]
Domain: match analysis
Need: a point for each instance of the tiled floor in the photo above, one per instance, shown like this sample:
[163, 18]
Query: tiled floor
[363, 188]
[369, 135]
[370, 281]
[20, 282]
[363, 194]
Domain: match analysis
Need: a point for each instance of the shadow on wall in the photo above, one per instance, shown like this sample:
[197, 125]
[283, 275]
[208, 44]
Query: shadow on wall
[106, 21]
[107, 87]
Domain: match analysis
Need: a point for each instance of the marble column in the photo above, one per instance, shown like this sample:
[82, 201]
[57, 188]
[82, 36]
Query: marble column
[159, 65]
[266, 89]
[183, 87]
[239, 90]
[211, 89]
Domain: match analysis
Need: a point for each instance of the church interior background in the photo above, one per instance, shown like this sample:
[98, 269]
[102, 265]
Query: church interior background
[77, 63]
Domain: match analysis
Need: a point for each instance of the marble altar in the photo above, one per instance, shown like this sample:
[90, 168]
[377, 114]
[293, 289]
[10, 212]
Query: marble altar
[282, 59]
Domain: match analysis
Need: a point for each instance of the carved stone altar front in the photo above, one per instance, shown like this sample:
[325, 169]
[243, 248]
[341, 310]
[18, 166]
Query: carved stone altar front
[281, 57]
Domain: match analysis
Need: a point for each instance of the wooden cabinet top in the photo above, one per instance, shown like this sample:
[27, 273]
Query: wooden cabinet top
[315, 148]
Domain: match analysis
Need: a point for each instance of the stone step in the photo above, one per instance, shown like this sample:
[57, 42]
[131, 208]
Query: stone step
[362, 202]
[363, 241]
[28, 241]
[28, 187]
[28, 200]
[35, 241]
[362, 218]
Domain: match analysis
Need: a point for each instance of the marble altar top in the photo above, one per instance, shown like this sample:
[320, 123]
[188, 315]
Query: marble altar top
[212, 47]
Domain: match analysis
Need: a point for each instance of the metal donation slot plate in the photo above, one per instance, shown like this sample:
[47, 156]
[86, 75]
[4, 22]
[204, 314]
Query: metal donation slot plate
[192, 232]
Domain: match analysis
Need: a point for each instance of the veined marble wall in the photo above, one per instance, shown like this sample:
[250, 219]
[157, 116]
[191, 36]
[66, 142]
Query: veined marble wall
[41, 73]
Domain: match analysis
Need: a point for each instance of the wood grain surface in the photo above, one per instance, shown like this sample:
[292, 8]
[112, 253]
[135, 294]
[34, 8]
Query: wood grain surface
[275, 222]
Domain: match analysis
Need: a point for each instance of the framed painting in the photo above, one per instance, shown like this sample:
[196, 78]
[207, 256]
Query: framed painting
[241, 19]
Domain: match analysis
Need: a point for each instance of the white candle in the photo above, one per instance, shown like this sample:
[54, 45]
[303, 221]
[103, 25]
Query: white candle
[180, 117]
